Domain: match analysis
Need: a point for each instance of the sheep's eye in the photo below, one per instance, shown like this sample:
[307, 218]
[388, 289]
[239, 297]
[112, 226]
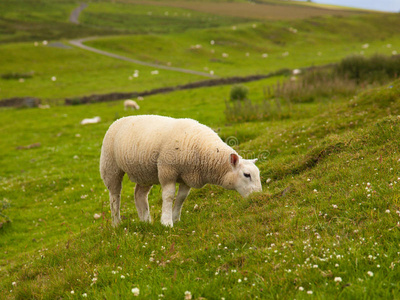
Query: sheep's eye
[247, 175]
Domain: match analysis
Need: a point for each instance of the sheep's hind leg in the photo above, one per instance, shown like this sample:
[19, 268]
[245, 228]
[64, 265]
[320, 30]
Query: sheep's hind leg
[183, 192]
[168, 194]
[142, 203]
[114, 186]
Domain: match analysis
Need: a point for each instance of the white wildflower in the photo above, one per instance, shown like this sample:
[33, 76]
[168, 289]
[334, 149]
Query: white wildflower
[188, 295]
[338, 279]
[135, 291]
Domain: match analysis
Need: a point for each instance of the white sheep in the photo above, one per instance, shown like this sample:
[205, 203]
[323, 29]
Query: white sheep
[131, 104]
[90, 120]
[161, 150]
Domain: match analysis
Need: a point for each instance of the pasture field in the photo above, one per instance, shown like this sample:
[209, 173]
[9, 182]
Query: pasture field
[77, 72]
[259, 48]
[326, 224]
[233, 53]
[326, 221]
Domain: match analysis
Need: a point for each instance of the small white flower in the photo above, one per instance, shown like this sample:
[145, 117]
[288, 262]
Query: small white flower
[188, 295]
[239, 280]
[334, 206]
[54, 78]
[14, 283]
[309, 292]
[122, 277]
[387, 211]
[72, 292]
[301, 288]
[135, 291]
[370, 273]
[338, 279]
[264, 55]
[84, 295]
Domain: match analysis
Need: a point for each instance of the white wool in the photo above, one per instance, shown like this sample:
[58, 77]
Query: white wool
[131, 104]
[153, 149]
[90, 121]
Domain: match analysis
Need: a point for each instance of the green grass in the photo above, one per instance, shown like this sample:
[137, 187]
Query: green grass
[78, 72]
[326, 225]
[317, 41]
[145, 19]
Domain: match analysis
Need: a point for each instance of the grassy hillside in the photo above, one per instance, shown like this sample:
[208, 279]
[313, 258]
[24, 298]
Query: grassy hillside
[249, 48]
[326, 224]
[329, 207]
[262, 47]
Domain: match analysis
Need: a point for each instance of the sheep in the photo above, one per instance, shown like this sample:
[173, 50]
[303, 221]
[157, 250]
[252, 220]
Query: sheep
[90, 121]
[131, 104]
[153, 149]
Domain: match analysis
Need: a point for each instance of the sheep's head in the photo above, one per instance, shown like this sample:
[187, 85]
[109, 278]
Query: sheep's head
[245, 176]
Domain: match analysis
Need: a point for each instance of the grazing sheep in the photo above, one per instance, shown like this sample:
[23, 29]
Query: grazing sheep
[161, 150]
[90, 121]
[131, 104]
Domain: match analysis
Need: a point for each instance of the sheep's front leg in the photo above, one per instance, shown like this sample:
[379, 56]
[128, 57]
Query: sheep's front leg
[142, 203]
[183, 192]
[168, 194]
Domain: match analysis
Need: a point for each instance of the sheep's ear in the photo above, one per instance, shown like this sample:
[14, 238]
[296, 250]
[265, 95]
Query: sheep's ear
[253, 160]
[234, 159]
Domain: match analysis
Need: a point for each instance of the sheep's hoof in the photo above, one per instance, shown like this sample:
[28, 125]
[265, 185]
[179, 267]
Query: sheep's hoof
[168, 223]
[115, 223]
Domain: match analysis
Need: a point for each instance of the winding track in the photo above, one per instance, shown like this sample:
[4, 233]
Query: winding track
[79, 43]
[74, 17]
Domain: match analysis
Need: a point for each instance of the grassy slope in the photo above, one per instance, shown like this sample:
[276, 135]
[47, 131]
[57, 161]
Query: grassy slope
[78, 72]
[316, 219]
[326, 225]
[317, 41]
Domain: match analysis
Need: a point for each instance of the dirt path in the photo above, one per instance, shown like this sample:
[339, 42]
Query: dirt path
[79, 43]
[74, 17]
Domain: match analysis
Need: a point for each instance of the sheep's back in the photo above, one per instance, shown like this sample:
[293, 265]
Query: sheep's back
[146, 144]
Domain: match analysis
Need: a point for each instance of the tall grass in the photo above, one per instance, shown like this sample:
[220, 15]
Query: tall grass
[344, 79]
[246, 111]
[378, 68]
[315, 85]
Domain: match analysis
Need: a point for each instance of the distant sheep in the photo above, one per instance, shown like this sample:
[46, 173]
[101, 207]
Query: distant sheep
[131, 104]
[161, 150]
[90, 121]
